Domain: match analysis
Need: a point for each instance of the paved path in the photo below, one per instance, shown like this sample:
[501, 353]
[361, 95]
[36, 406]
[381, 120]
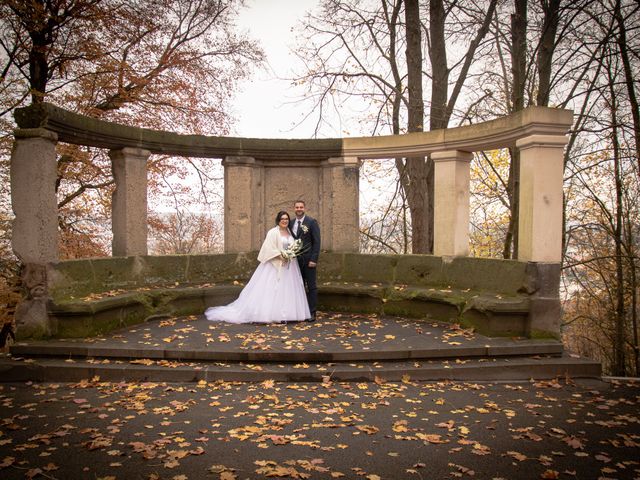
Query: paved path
[93, 430]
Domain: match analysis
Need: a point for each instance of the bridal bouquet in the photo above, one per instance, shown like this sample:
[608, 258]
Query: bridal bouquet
[294, 250]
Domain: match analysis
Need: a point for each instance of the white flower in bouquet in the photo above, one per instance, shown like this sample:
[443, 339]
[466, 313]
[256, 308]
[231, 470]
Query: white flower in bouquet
[294, 250]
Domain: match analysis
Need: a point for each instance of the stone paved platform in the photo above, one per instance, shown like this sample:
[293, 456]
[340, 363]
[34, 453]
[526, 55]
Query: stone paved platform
[345, 347]
[333, 337]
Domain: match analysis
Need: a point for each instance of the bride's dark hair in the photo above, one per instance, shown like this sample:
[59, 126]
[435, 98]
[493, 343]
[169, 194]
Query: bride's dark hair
[280, 214]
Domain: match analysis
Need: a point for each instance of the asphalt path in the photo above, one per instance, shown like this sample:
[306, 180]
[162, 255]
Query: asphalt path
[414, 430]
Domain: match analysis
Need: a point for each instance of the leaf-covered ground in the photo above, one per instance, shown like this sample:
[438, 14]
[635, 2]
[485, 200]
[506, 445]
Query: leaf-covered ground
[332, 332]
[414, 430]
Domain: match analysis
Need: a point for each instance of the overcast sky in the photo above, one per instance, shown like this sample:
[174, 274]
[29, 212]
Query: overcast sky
[261, 104]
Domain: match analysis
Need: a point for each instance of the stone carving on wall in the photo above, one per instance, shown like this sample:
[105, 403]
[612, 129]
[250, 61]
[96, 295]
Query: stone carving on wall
[32, 320]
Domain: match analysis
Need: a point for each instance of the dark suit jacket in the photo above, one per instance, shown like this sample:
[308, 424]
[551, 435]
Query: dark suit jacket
[310, 239]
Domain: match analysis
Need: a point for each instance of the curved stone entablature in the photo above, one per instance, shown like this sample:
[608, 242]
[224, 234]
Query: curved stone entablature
[499, 133]
[83, 130]
[493, 134]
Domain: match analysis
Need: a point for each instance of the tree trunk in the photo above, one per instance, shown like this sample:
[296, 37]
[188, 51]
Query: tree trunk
[38, 66]
[440, 71]
[420, 189]
[633, 286]
[437, 112]
[628, 77]
[519, 54]
[415, 121]
[545, 51]
[519, 73]
[619, 364]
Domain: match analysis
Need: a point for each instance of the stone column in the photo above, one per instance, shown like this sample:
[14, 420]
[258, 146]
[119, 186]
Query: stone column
[35, 227]
[540, 214]
[33, 196]
[244, 227]
[451, 202]
[339, 204]
[129, 203]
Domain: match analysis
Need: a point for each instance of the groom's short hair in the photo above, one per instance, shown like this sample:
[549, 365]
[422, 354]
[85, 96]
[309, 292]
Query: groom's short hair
[300, 201]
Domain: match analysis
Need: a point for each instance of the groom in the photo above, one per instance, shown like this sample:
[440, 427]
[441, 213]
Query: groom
[307, 229]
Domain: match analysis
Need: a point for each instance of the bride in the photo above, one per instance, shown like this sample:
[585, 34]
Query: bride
[275, 292]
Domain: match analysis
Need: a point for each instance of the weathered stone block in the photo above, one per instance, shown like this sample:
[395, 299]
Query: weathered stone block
[71, 279]
[495, 324]
[116, 272]
[350, 299]
[485, 274]
[164, 270]
[421, 308]
[419, 270]
[544, 318]
[369, 268]
[544, 278]
[221, 268]
[330, 267]
[32, 320]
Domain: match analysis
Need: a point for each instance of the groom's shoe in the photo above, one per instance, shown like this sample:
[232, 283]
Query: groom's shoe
[312, 318]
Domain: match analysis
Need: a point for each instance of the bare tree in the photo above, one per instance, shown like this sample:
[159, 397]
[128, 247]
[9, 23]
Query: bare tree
[350, 50]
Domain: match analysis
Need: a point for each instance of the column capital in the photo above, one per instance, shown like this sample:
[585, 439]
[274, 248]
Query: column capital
[452, 156]
[341, 162]
[22, 133]
[237, 160]
[129, 152]
[542, 141]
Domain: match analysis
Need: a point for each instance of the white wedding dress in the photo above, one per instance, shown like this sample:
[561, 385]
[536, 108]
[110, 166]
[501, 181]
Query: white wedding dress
[275, 293]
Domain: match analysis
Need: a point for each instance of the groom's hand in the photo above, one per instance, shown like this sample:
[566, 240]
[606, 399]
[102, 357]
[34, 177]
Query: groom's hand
[312, 264]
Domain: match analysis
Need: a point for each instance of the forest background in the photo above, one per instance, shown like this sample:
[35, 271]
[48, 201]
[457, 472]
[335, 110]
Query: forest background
[364, 67]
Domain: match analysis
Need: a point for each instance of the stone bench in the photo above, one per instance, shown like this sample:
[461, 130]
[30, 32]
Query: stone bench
[489, 313]
[497, 297]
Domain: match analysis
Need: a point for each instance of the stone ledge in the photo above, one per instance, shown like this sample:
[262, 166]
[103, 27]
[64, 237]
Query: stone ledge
[524, 369]
[67, 350]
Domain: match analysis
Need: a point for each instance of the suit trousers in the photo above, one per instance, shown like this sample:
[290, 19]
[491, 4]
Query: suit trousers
[309, 276]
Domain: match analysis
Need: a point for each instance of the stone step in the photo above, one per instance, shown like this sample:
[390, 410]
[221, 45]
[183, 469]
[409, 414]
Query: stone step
[71, 349]
[16, 369]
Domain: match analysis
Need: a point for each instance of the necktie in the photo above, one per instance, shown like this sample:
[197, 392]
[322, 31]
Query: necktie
[297, 227]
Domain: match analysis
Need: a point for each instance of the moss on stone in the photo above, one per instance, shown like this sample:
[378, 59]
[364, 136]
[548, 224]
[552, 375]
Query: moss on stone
[543, 334]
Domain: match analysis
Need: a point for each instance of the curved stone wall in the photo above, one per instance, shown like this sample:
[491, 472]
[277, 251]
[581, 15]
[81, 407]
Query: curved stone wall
[497, 297]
